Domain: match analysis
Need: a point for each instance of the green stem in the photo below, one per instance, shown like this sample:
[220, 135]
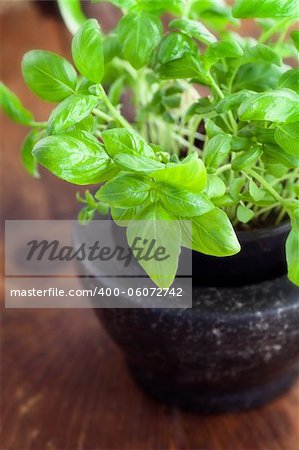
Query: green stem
[230, 86]
[280, 216]
[233, 122]
[38, 124]
[234, 126]
[192, 133]
[216, 87]
[117, 116]
[290, 176]
[127, 67]
[266, 209]
[102, 115]
[267, 34]
[266, 185]
[72, 14]
[223, 169]
[183, 142]
[281, 38]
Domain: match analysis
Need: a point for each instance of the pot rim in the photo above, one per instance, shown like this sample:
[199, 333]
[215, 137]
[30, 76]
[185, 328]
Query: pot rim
[264, 232]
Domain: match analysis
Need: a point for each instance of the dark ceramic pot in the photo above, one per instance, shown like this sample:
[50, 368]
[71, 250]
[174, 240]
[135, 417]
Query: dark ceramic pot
[237, 348]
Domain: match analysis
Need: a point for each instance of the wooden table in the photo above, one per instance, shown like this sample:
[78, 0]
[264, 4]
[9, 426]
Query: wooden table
[64, 383]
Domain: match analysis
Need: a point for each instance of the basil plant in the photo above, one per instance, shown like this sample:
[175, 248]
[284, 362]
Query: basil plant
[215, 132]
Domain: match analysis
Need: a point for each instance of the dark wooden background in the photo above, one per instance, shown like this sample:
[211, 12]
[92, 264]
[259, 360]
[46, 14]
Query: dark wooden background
[63, 382]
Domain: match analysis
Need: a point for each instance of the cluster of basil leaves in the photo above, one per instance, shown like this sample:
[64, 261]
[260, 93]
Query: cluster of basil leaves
[248, 167]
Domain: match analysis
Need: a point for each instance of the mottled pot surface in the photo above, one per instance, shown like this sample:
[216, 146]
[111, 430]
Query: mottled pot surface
[237, 348]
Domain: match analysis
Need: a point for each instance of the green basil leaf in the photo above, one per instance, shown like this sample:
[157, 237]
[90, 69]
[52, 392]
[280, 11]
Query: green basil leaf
[295, 37]
[215, 187]
[87, 51]
[28, 159]
[294, 215]
[121, 140]
[224, 49]
[278, 155]
[76, 157]
[256, 193]
[244, 214]
[155, 224]
[95, 89]
[83, 86]
[257, 77]
[290, 80]
[261, 53]
[184, 203]
[102, 209]
[89, 199]
[48, 75]
[216, 151]
[292, 254]
[205, 8]
[212, 234]
[212, 129]
[139, 33]
[274, 168]
[87, 124]
[162, 6]
[133, 163]
[239, 143]
[186, 67]
[263, 199]
[281, 105]
[296, 190]
[190, 174]
[287, 136]
[233, 100]
[225, 201]
[122, 217]
[85, 215]
[71, 111]
[236, 187]
[125, 191]
[172, 47]
[256, 130]
[213, 6]
[13, 107]
[213, 12]
[266, 8]
[203, 106]
[194, 29]
[247, 158]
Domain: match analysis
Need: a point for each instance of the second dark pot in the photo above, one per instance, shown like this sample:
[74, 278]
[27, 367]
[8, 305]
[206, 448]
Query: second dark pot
[237, 348]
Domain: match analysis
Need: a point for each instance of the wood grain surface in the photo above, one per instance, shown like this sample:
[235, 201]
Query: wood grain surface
[64, 385]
